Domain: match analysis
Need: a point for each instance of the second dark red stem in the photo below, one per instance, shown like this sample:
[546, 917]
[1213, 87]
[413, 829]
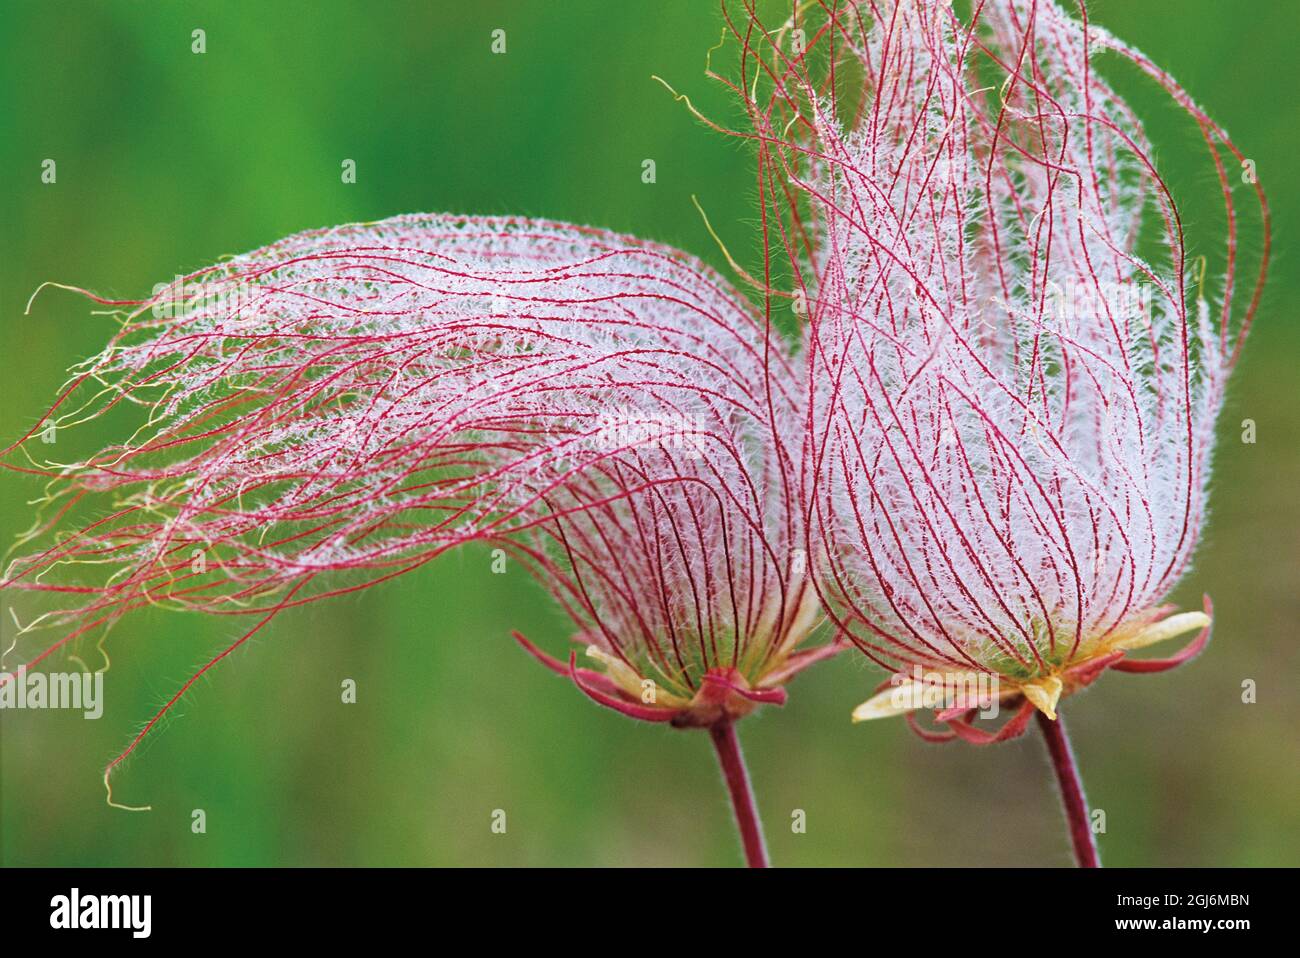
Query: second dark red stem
[1067, 776]
[742, 796]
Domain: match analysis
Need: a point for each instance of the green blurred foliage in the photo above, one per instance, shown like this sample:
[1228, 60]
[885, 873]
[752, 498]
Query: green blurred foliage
[168, 160]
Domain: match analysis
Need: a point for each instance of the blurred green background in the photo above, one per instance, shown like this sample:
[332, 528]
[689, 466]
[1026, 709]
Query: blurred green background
[168, 160]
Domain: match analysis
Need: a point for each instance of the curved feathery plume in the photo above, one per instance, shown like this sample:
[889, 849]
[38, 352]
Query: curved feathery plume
[337, 409]
[1014, 366]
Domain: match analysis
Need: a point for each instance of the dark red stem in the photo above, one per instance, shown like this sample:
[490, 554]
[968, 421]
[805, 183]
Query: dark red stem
[1067, 776]
[742, 796]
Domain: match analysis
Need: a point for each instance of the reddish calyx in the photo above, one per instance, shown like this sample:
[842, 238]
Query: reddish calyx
[723, 695]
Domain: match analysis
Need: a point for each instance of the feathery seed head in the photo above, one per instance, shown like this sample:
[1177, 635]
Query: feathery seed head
[341, 407]
[1014, 367]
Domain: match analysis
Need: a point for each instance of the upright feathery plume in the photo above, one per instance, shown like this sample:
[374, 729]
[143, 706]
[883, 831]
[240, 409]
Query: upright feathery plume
[1014, 367]
[337, 409]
